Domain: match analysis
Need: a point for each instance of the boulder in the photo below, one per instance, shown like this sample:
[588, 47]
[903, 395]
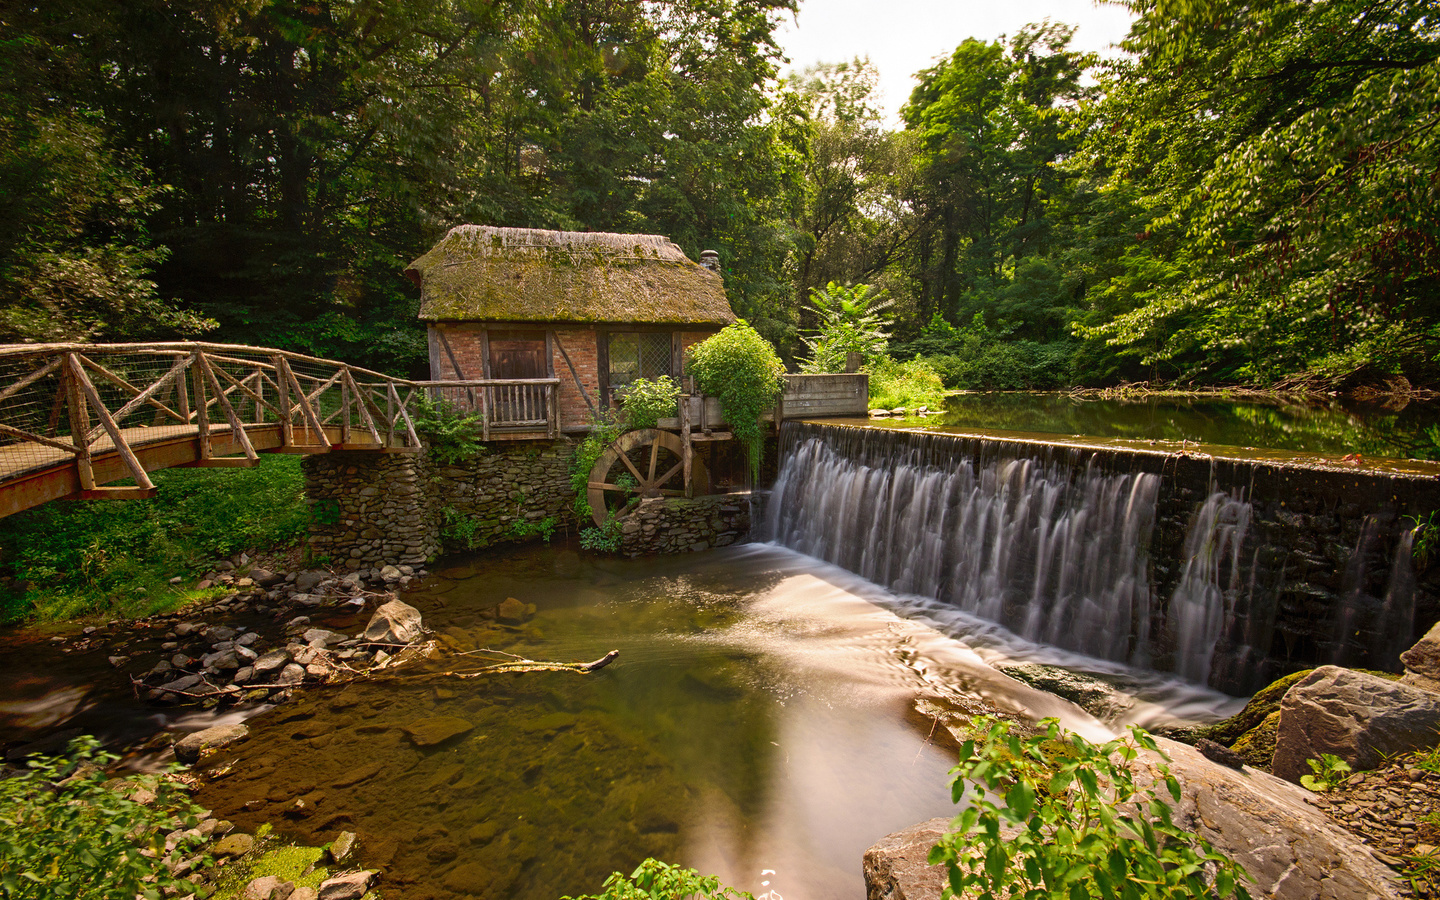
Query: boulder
[305, 582]
[233, 845]
[394, 623]
[512, 611]
[268, 887]
[190, 748]
[1358, 717]
[224, 660]
[349, 886]
[1291, 848]
[270, 663]
[1423, 659]
[291, 674]
[325, 636]
[390, 574]
[895, 867]
[220, 633]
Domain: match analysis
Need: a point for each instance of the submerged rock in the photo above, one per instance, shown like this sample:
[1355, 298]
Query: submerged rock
[1088, 692]
[429, 732]
[349, 886]
[1358, 717]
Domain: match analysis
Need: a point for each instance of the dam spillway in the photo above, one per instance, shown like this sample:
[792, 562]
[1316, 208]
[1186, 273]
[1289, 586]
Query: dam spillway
[1226, 571]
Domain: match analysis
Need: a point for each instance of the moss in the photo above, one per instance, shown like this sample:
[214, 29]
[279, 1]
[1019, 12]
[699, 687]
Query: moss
[285, 861]
[1258, 744]
[1266, 701]
[508, 274]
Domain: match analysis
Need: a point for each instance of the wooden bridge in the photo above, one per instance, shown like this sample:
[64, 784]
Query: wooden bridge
[75, 418]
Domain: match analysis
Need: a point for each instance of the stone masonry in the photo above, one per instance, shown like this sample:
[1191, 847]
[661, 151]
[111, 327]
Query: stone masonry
[678, 525]
[370, 509]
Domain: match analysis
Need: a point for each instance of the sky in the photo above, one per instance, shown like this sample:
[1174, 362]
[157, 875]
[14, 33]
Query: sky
[901, 37]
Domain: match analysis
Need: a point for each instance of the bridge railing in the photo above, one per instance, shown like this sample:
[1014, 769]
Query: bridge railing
[63, 402]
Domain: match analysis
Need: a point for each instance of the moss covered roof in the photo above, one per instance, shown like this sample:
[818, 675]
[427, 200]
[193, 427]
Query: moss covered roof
[480, 273]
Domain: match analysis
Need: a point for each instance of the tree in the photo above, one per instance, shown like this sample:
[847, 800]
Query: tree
[1284, 155]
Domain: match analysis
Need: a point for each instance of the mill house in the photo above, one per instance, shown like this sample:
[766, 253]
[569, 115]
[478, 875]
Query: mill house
[541, 330]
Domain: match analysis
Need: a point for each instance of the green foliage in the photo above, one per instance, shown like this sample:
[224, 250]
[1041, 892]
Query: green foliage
[72, 558]
[908, 384]
[450, 434]
[604, 539]
[325, 512]
[977, 357]
[1429, 761]
[1425, 538]
[1328, 771]
[458, 528]
[656, 880]
[646, 402]
[602, 434]
[67, 831]
[1073, 823]
[524, 529]
[740, 367]
[848, 321]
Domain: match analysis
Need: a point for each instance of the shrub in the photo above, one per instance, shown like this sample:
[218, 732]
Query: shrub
[647, 402]
[1074, 824]
[849, 322]
[741, 368]
[451, 435]
[654, 879]
[67, 831]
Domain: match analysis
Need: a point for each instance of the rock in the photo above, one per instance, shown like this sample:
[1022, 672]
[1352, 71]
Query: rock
[185, 629]
[305, 582]
[1423, 659]
[270, 663]
[1257, 745]
[1358, 717]
[390, 574]
[304, 893]
[341, 848]
[118, 661]
[181, 661]
[1086, 691]
[879, 413]
[511, 611]
[220, 633]
[898, 411]
[182, 684]
[324, 636]
[291, 674]
[243, 675]
[1415, 679]
[225, 660]
[233, 845]
[177, 580]
[1291, 849]
[268, 887]
[1264, 702]
[349, 886]
[429, 732]
[265, 578]
[895, 867]
[190, 748]
[394, 623]
[1220, 753]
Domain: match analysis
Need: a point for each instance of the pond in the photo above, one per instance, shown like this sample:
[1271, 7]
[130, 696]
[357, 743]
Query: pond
[760, 724]
[1337, 426]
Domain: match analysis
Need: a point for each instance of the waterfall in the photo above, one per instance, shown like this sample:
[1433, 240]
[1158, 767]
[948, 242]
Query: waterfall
[1204, 600]
[1054, 552]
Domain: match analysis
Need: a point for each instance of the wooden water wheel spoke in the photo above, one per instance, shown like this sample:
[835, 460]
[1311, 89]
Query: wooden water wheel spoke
[662, 475]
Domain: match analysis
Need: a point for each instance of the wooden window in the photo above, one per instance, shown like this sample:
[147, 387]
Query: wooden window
[639, 354]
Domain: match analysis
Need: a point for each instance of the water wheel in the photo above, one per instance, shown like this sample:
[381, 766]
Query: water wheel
[642, 464]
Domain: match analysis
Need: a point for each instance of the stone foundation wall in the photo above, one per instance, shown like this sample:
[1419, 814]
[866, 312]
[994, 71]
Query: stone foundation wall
[369, 509]
[677, 525]
[490, 499]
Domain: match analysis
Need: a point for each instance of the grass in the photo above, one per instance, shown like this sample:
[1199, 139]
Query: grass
[908, 384]
[114, 558]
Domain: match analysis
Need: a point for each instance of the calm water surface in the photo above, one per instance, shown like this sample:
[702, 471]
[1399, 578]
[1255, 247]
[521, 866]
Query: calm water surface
[759, 724]
[1393, 427]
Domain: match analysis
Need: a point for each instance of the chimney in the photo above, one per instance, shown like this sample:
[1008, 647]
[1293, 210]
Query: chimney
[710, 259]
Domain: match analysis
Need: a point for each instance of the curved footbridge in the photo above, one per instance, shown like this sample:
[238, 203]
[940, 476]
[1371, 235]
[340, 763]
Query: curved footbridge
[75, 419]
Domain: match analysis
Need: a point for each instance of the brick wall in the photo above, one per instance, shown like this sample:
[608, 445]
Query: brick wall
[464, 342]
[580, 345]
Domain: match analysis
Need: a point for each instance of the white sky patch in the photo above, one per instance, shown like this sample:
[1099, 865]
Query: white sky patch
[901, 37]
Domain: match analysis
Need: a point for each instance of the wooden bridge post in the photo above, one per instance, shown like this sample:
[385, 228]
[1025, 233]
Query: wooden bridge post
[345, 398]
[282, 384]
[79, 423]
[202, 406]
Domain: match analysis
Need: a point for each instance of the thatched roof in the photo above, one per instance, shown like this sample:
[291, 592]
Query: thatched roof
[480, 273]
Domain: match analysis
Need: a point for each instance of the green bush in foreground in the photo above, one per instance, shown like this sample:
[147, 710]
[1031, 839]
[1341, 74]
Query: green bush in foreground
[647, 402]
[740, 367]
[1073, 824]
[67, 831]
[908, 384]
[655, 880]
